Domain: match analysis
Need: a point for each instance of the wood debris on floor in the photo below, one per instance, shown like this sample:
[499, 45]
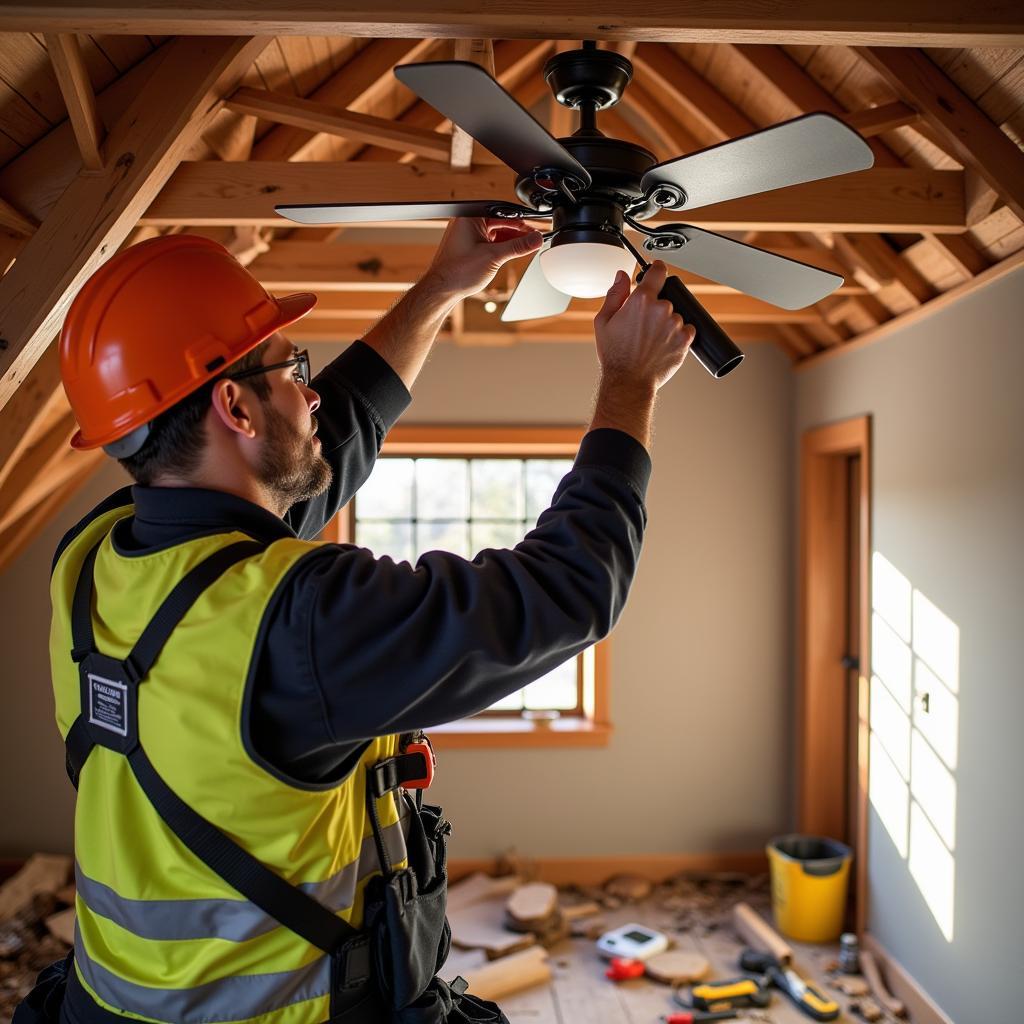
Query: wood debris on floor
[709, 919]
[36, 925]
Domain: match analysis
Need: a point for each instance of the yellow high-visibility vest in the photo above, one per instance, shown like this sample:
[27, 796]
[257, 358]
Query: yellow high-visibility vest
[160, 936]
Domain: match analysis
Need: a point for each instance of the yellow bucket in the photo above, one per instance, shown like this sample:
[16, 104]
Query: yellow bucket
[809, 879]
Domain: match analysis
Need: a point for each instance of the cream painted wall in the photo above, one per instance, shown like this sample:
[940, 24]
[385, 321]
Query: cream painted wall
[699, 759]
[948, 505]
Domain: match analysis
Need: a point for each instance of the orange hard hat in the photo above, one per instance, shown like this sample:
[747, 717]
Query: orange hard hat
[152, 325]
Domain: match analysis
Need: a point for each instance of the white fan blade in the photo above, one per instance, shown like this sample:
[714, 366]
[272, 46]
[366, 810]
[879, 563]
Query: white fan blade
[534, 297]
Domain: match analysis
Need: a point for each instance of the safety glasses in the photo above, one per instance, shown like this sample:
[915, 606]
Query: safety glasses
[300, 361]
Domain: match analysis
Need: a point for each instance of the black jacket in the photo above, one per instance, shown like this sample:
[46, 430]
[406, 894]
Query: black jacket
[355, 646]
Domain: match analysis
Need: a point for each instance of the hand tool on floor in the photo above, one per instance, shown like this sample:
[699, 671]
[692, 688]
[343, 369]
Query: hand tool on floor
[811, 1000]
[695, 1017]
[731, 994]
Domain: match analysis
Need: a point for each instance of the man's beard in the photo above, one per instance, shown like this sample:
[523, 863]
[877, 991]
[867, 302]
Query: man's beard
[290, 465]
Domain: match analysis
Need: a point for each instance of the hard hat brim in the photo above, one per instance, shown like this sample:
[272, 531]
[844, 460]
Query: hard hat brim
[290, 308]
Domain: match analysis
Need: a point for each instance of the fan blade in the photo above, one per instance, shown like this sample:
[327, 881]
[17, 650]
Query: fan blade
[765, 275]
[470, 98]
[534, 297]
[805, 149]
[353, 213]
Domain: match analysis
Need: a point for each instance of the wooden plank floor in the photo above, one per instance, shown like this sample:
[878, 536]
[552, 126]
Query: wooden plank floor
[580, 993]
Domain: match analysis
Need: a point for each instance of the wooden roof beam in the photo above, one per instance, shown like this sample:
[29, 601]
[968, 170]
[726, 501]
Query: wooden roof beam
[322, 118]
[73, 77]
[212, 193]
[290, 266]
[359, 82]
[846, 22]
[516, 61]
[883, 264]
[726, 308]
[312, 331]
[474, 51]
[98, 210]
[975, 140]
[875, 120]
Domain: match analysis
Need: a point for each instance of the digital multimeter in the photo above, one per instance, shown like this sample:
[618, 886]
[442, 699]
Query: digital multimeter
[632, 942]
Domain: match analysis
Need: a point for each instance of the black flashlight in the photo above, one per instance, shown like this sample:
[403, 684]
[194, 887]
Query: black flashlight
[715, 350]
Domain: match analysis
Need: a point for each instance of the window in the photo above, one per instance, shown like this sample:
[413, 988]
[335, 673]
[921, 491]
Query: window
[463, 490]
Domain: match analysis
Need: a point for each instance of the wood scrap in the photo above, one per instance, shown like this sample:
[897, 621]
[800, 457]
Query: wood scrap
[867, 1009]
[574, 911]
[677, 967]
[510, 974]
[478, 886]
[869, 967]
[42, 873]
[480, 925]
[759, 934]
[532, 905]
[62, 925]
[629, 888]
[850, 984]
[588, 928]
[66, 895]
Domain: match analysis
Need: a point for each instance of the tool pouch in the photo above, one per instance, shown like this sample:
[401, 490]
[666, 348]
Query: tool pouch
[404, 911]
[450, 1004]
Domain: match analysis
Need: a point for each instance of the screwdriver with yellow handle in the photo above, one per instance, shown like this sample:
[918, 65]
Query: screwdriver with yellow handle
[811, 1000]
[731, 994]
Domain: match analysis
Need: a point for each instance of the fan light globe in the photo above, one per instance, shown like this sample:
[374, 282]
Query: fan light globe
[585, 269]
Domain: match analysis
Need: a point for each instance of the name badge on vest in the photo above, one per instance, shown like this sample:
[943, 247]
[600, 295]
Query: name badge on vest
[110, 695]
[108, 703]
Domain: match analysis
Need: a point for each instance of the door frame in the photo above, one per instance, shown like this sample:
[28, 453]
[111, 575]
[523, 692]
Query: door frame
[822, 721]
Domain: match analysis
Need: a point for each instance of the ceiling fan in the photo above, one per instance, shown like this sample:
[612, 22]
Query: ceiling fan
[594, 188]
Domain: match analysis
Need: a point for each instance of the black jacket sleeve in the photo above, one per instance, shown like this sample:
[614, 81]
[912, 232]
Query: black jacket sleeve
[361, 398]
[362, 646]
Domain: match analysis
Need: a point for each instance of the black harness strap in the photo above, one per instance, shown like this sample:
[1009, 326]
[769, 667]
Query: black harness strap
[287, 904]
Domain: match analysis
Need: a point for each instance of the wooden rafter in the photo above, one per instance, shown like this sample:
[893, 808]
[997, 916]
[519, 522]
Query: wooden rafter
[731, 308]
[14, 220]
[361, 81]
[321, 118]
[21, 533]
[96, 213]
[848, 22]
[214, 193]
[73, 76]
[20, 417]
[883, 330]
[515, 61]
[777, 70]
[975, 140]
[296, 265]
[36, 179]
[475, 51]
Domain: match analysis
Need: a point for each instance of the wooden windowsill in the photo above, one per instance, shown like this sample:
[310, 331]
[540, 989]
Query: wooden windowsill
[514, 732]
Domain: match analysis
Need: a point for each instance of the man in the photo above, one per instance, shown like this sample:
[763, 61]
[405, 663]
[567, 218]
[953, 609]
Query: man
[231, 692]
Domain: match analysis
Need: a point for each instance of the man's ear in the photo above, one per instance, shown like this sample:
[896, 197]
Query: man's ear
[234, 407]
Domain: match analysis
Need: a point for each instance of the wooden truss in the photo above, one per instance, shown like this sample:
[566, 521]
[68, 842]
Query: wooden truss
[206, 133]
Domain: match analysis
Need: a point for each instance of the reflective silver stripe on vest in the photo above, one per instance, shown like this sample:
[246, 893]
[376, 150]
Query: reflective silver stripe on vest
[233, 920]
[235, 998]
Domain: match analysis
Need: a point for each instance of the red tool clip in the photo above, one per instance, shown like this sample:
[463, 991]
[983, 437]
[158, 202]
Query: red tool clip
[421, 746]
[622, 969]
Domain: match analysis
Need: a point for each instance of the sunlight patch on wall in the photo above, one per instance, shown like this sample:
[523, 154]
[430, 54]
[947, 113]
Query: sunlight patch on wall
[915, 663]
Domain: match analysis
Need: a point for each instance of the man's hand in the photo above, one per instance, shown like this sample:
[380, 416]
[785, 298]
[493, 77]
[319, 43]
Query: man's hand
[473, 249]
[641, 338]
[641, 342]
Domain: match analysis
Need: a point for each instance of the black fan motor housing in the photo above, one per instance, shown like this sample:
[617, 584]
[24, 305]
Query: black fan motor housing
[616, 168]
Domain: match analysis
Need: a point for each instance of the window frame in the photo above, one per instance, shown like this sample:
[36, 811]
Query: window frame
[593, 728]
